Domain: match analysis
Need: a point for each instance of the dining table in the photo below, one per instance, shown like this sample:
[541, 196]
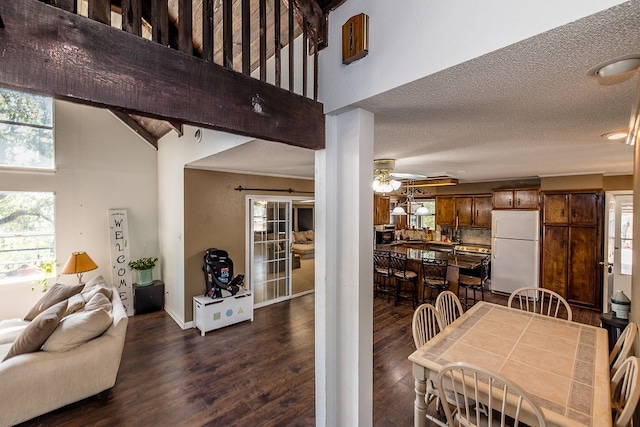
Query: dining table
[562, 365]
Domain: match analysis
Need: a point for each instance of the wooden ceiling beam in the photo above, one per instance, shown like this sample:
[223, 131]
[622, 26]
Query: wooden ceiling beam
[136, 127]
[47, 50]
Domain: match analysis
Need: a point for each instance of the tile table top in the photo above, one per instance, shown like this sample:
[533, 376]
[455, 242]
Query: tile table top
[562, 365]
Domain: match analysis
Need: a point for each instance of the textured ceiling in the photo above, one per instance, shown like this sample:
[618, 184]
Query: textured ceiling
[528, 110]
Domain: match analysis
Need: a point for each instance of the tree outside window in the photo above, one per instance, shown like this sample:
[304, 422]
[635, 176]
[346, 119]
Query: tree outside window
[27, 235]
[27, 222]
[26, 130]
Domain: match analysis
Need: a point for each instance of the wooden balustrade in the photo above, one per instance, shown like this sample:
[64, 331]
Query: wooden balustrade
[241, 35]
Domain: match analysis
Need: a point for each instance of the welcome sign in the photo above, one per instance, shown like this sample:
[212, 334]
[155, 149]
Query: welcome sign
[119, 250]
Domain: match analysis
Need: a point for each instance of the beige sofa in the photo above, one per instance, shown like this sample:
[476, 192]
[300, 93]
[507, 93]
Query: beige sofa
[40, 381]
[304, 244]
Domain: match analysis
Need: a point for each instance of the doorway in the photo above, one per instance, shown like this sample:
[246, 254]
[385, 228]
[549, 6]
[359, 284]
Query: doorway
[269, 255]
[280, 245]
[619, 244]
[303, 247]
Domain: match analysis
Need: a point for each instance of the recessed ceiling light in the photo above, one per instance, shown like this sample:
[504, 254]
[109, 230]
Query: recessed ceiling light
[615, 136]
[617, 66]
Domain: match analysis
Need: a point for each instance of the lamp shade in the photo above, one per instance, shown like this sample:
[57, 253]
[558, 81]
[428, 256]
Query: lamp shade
[398, 210]
[383, 185]
[79, 262]
[422, 211]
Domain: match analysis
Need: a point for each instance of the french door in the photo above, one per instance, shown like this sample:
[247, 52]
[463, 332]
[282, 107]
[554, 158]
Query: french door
[619, 244]
[269, 261]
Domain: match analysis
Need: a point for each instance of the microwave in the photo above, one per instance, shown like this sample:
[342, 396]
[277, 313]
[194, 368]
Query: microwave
[385, 235]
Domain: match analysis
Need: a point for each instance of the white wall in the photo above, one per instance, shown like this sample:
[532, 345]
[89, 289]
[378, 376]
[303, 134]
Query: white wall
[415, 38]
[101, 164]
[173, 154]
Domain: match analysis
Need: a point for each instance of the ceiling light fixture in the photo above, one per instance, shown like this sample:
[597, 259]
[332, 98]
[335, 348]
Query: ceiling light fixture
[615, 136]
[618, 67]
[398, 210]
[381, 182]
[422, 211]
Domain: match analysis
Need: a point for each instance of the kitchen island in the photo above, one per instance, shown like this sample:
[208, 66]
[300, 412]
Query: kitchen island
[415, 257]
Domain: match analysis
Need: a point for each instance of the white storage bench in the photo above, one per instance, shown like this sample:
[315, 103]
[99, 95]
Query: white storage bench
[215, 313]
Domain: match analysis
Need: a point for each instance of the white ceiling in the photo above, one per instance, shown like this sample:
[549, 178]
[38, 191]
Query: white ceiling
[528, 110]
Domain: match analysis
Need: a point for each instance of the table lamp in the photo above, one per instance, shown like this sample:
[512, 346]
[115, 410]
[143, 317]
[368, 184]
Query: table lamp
[78, 263]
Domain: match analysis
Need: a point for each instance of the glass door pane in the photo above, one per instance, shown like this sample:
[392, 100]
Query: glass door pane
[625, 236]
[270, 255]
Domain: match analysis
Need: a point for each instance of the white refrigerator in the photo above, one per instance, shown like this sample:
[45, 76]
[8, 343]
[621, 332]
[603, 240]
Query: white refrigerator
[515, 253]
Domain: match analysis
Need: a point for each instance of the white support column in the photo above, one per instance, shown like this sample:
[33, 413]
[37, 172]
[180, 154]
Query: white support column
[344, 265]
[634, 314]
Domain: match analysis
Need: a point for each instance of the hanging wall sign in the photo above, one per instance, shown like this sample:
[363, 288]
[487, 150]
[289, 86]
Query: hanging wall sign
[119, 249]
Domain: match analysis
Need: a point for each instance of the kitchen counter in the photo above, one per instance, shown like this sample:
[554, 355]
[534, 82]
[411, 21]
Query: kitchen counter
[416, 255]
[469, 262]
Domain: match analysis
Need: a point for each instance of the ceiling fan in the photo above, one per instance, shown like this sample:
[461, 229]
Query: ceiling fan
[386, 181]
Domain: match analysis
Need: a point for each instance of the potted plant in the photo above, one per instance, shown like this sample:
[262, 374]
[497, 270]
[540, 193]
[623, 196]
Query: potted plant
[143, 267]
[46, 268]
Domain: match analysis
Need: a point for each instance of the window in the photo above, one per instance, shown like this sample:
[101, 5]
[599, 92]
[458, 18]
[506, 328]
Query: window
[26, 130]
[27, 235]
[424, 221]
[626, 239]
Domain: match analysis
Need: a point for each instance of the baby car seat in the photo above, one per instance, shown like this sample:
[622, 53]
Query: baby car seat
[218, 274]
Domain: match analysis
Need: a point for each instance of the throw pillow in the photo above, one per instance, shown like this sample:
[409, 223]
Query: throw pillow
[77, 329]
[299, 237]
[37, 332]
[98, 301]
[309, 235]
[74, 303]
[57, 293]
[96, 281]
[104, 290]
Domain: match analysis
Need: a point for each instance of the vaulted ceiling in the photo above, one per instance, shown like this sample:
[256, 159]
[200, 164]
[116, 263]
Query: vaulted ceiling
[152, 129]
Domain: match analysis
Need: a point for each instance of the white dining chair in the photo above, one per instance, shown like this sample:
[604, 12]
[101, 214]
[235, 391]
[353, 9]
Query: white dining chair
[623, 347]
[449, 307]
[485, 394]
[539, 300]
[426, 324]
[625, 392]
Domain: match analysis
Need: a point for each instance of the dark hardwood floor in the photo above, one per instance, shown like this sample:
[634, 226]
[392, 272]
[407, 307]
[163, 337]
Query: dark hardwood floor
[258, 373]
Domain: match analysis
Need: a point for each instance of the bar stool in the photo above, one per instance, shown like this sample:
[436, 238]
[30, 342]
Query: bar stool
[474, 283]
[434, 278]
[382, 272]
[402, 276]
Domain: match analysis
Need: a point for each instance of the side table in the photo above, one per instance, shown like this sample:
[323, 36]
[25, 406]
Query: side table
[614, 327]
[148, 298]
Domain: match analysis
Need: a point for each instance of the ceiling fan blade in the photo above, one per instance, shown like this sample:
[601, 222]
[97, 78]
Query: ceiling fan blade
[409, 176]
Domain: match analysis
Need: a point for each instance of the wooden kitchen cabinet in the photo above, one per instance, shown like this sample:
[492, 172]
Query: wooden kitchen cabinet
[471, 210]
[583, 208]
[516, 198]
[381, 210]
[572, 246]
[554, 258]
[464, 210]
[584, 272]
[570, 208]
[445, 210]
[482, 211]
[555, 208]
